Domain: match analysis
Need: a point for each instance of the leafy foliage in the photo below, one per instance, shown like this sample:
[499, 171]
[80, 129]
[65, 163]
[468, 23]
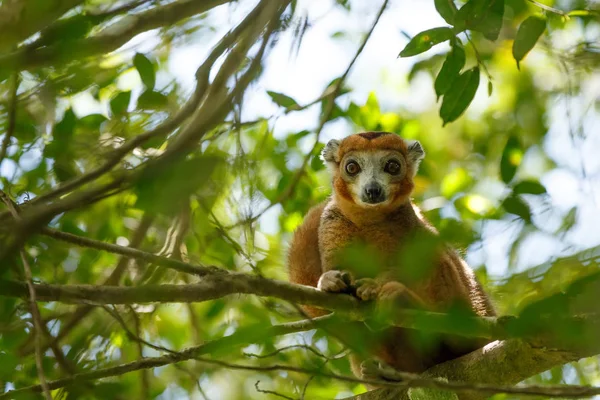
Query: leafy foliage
[101, 137]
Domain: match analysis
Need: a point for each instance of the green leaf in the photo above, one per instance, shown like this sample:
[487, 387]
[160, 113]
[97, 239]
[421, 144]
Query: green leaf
[151, 100]
[511, 159]
[158, 188]
[145, 69]
[447, 9]
[459, 95]
[62, 136]
[8, 363]
[425, 40]
[282, 100]
[527, 36]
[92, 121]
[119, 103]
[529, 187]
[450, 70]
[515, 205]
[484, 16]
[490, 88]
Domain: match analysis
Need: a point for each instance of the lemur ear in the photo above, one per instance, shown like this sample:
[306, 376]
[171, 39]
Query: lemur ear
[329, 153]
[415, 153]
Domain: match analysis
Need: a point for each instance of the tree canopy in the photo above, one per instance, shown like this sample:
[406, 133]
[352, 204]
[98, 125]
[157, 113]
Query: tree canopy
[156, 157]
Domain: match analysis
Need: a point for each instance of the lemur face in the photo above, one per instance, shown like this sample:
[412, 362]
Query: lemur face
[373, 169]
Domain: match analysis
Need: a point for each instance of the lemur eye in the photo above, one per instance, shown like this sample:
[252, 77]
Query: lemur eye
[352, 168]
[392, 167]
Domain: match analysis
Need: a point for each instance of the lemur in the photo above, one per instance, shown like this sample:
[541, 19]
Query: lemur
[372, 179]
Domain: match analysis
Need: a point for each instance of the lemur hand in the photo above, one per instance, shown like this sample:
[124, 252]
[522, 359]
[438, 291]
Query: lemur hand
[335, 281]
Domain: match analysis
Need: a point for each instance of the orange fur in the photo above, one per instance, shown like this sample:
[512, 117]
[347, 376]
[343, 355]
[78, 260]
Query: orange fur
[332, 226]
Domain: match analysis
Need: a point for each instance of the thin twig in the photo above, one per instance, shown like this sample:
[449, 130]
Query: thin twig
[548, 8]
[297, 346]
[37, 324]
[274, 393]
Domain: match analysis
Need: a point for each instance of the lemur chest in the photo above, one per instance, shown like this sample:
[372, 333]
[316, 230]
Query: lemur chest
[385, 238]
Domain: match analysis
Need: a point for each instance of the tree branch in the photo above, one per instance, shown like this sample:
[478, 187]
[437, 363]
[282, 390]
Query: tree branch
[20, 19]
[111, 37]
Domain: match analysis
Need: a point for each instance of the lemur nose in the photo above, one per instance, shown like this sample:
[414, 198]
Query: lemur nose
[373, 191]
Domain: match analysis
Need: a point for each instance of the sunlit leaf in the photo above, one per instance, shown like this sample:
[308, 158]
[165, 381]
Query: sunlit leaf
[527, 36]
[425, 40]
[455, 181]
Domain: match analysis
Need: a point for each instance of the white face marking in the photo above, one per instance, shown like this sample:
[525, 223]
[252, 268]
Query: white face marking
[372, 176]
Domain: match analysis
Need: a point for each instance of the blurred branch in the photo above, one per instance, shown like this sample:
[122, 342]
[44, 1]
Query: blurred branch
[109, 38]
[20, 19]
[12, 116]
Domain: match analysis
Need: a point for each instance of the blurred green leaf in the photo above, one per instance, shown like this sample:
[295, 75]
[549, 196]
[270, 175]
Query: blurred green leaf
[527, 36]
[8, 363]
[282, 100]
[529, 187]
[93, 121]
[459, 95]
[515, 205]
[151, 100]
[146, 70]
[511, 159]
[119, 103]
[425, 40]
[160, 189]
[455, 61]
[484, 16]
[447, 10]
